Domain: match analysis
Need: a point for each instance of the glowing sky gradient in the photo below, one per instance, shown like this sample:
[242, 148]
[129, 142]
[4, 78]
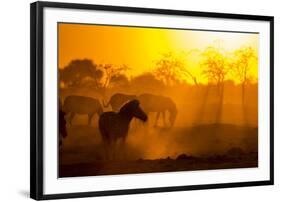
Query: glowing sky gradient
[139, 48]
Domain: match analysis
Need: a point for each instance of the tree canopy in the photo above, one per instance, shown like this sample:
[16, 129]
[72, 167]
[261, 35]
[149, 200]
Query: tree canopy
[78, 72]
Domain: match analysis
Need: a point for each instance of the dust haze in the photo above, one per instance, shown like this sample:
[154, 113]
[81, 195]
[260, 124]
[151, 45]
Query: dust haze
[202, 128]
[205, 117]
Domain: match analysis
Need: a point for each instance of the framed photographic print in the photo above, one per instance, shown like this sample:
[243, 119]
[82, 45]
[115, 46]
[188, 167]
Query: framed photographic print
[131, 100]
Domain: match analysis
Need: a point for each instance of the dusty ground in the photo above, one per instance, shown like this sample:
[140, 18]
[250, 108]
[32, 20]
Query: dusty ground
[160, 150]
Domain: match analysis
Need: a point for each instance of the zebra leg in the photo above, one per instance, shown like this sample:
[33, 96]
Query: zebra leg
[164, 118]
[122, 148]
[72, 114]
[90, 117]
[106, 145]
[157, 117]
[114, 151]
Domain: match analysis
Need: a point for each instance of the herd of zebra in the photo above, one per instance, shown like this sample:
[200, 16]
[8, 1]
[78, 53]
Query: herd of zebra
[114, 125]
[149, 103]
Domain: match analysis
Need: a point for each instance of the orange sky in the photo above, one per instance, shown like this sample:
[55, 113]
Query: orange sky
[139, 48]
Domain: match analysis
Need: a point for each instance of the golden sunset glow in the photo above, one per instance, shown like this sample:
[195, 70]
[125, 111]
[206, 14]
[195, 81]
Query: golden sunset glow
[139, 48]
[142, 100]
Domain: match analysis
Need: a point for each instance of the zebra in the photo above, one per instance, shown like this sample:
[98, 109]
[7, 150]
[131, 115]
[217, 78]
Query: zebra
[82, 105]
[115, 125]
[159, 104]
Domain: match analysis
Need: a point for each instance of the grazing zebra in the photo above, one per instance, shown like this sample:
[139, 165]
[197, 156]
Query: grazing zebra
[115, 125]
[81, 105]
[117, 100]
[159, 104]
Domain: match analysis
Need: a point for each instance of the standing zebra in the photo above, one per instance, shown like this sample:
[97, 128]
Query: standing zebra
[115, 125]
[81, 105]
[159, 104]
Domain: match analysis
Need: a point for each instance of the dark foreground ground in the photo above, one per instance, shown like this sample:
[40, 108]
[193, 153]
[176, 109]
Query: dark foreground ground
[160, 150]
[159, 165]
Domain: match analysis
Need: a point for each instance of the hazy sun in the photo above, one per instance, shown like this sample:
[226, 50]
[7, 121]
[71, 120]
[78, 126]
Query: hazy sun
[139, 48]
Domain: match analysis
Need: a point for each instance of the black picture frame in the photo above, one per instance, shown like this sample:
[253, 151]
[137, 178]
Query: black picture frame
[37, 99]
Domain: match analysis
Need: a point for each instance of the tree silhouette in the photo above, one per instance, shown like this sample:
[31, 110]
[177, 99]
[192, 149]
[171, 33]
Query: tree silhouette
[112, 72]
[78, 72]
[215, 66]
[240, 66]
[171, 69]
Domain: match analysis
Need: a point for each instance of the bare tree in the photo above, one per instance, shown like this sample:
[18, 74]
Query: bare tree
[215, 68]
[171, 69]
[240, 66]
[111, 72]
[214, 65]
